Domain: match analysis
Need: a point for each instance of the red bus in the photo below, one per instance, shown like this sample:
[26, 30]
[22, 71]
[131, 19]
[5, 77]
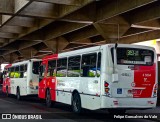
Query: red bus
[6, 79]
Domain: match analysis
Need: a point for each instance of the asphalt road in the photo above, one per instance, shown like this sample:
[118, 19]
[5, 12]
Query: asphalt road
[30, 106]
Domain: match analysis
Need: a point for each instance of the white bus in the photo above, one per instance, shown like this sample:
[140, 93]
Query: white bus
[113, 77]
[21, 78]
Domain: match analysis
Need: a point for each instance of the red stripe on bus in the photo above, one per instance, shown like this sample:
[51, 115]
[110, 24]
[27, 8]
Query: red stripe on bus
[145, 78]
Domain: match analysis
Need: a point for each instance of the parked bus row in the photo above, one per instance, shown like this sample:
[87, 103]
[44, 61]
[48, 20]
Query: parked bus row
[22, 78]
[103, 77]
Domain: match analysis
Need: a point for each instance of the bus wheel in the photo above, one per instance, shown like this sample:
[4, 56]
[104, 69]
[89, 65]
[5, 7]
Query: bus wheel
[76, 103]
[7, 94]
[18, 94]
[48, 99]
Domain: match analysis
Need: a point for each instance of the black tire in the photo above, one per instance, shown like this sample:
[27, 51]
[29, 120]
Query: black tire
[7, 94]
[117, 111]
[76, 103]
[49, 102]
[18, 96]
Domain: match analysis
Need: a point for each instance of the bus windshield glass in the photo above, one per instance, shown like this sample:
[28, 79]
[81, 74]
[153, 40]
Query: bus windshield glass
[134, 56]
[36, 65]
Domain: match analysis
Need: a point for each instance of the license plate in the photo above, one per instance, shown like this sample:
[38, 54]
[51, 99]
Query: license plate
[134, 91]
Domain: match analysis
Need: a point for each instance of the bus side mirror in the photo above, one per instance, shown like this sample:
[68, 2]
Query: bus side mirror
[114, 78]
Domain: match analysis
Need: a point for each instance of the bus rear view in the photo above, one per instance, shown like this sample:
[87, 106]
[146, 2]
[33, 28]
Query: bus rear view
[134, 78]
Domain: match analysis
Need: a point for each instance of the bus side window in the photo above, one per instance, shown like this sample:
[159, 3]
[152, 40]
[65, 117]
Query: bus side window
[21, 71]
[61, 67]
[42, 71]
[25, 67]
[25, 71]
[51, 68]
[99, 65]
[11, 75]
[88, 66]
[8, 72]
[73, 66]
[112, 54]
[17, 73]
[5, 73]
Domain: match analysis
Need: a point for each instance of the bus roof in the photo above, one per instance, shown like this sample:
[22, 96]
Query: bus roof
[53, 56]
[91, 49]
[7, 66]
[25, 61]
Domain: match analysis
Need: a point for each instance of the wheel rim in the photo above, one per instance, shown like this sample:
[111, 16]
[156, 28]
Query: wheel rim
[76, 104]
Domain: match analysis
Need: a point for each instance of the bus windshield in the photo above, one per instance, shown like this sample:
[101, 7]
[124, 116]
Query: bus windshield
[36, 65]
[132, 56]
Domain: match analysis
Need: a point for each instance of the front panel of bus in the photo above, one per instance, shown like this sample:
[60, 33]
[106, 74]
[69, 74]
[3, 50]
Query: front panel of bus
[6, 82]
[34, 77]
[134, 82]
